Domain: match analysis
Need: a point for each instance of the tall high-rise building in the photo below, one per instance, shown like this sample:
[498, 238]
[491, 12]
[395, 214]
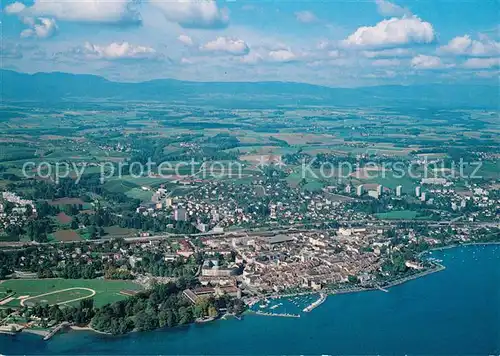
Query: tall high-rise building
[348, 189]
[423, 196]
[418, 191]
[399, 190]
[359, 190]
[380, 190]
[180, 214]
[272, 211]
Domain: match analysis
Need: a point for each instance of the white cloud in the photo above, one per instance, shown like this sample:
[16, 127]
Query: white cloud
[228, 45]
[427, 62]
[381, 74]
[334, 53]
[386, 63]
[252, 58]
[387, 8]
[282, 55]
[488, 74]
[41, 27]
[10, 50]
[306, 16]
[193, 13]
[465, 46]
[481, 63]
[188, 41]
[266, 55]
[187, 61]
[324, 44]
[14, 8]
[96, 11]
[116, 51]
[388, 53]
[392, 32]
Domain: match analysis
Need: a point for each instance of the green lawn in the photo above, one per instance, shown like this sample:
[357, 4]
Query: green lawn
[398, 215]
[58, 297]
[106, 291]
[119, 186]
[139, 193]
[313, 186]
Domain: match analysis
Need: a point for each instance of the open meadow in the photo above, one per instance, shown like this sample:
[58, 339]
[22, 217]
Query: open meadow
[64, 291]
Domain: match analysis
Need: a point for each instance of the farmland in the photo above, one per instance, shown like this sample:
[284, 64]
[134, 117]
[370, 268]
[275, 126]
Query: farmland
[66, 235]
[106, 149]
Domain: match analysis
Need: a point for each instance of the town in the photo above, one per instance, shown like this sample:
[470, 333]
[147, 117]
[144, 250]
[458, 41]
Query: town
[94, 236]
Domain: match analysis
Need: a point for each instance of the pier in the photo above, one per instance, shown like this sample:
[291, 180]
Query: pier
[56, 330]
[317, 303]
[285, 315]
[381, 289]
[436, 268]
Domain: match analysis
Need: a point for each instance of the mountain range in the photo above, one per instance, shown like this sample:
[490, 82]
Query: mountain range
[56, 87]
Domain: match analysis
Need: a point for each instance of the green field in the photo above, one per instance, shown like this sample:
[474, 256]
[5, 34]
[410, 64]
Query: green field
[398, 215]
[313, 186]
[119, 186]
[106, 291]
[65, 296]
[139, 193]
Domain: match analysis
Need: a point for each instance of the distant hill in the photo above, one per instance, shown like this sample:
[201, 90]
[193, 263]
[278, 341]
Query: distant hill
[50, 87]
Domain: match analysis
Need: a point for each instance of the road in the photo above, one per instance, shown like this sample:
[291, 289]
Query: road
[280, 229]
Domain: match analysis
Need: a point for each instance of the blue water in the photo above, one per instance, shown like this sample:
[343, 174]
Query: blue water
[453, 312]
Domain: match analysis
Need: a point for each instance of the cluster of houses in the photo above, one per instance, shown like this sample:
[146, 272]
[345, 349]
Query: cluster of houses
[17, 214]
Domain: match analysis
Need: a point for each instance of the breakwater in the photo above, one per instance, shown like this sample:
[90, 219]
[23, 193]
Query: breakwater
[317, 303]
[285, 315]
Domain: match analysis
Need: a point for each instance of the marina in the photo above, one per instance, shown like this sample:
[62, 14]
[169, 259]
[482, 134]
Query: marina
[396, 333]
[291, 305]
[285, 315]
[316, 304]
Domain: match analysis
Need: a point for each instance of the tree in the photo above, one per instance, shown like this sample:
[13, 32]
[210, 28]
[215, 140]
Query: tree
[93, 231]
[352, 279]
[212, 312]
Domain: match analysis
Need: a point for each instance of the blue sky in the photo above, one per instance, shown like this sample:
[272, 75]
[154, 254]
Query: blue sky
[334, 43]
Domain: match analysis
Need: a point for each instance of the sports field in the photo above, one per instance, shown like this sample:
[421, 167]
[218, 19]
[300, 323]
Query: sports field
[65, 291]
[398, 215]
[63, 296]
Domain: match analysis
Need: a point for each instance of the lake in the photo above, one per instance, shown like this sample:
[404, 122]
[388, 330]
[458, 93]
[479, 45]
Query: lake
[456, 311]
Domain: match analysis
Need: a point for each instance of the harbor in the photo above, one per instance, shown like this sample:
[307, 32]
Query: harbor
[291, 305]
[285, 315]
[317, 303]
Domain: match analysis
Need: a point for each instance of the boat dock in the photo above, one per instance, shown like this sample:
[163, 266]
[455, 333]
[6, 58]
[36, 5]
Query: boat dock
[56, 330]
[285, 315]
[382, 289]
[317, 303]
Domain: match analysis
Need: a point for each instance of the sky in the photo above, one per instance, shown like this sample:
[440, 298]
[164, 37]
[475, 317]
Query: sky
[338, 43]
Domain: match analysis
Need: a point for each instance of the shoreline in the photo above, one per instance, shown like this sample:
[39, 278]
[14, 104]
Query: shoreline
[38, 332]
[88, 328]
[438, 268]
[442, 248]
